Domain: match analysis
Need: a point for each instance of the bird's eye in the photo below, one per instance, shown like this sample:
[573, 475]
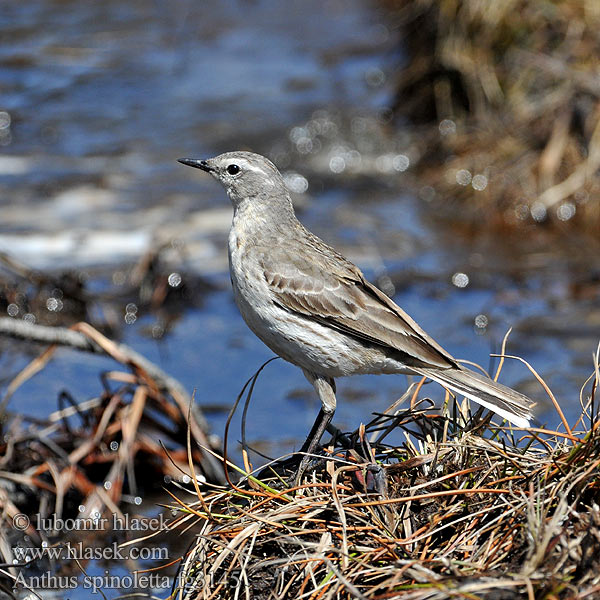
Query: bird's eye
[233, 169]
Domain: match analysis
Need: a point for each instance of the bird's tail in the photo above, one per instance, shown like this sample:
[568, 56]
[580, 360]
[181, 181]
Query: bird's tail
[511, 405]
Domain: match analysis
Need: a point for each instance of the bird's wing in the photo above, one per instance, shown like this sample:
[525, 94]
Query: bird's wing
[323, 285]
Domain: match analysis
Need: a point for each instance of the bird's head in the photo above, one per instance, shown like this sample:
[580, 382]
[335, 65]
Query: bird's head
[244, 175]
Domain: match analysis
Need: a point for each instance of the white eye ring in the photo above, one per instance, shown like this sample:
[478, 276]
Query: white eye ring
[233, 169]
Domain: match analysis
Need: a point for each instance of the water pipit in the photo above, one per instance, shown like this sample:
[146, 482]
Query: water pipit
[315, 309]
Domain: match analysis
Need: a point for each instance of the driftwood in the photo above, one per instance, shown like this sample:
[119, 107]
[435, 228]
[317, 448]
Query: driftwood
[84, 337]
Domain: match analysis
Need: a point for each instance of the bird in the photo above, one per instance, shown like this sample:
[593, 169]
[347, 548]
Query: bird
[315, 309]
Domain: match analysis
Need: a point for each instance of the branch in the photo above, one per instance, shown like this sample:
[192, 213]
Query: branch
[87, 339]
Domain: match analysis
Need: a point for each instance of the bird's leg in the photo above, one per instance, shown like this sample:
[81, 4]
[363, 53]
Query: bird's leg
[325, 388]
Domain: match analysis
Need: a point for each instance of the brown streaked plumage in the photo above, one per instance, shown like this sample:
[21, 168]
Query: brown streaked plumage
[315, 309]
[334, 292]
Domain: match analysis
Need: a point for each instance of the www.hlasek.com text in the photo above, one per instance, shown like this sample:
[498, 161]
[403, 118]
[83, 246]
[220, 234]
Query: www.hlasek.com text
[81, 551]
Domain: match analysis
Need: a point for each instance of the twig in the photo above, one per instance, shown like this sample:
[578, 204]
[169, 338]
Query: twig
[86, 338]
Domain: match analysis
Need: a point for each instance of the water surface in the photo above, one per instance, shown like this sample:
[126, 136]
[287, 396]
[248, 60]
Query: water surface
[100, 99]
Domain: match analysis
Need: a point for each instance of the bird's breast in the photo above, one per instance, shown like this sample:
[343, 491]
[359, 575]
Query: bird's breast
[298, 339]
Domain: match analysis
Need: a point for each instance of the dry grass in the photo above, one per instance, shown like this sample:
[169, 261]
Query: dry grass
[461, 508]
[90, 458]
[518, 85]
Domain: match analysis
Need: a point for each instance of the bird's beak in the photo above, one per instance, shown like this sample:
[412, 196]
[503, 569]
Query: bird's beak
[196, 163]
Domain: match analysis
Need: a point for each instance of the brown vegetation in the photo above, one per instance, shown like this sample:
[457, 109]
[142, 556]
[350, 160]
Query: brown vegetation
[87, 457]
[462, 508]
[507, 91]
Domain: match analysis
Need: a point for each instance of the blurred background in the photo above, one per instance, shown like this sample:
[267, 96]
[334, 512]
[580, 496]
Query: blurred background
[449, 148]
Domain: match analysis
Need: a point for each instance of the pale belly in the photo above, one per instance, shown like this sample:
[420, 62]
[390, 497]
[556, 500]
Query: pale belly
[299, 339]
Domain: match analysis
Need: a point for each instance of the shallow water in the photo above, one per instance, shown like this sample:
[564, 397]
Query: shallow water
[100, 99]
